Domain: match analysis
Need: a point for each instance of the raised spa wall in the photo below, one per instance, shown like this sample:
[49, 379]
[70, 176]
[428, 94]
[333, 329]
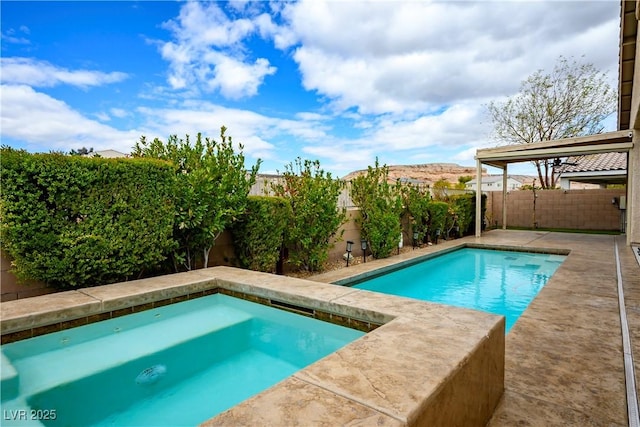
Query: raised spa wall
[419, 364]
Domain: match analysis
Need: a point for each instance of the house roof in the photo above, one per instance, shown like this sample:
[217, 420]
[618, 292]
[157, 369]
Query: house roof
[107, 154]
[595, 162]
[627, 58]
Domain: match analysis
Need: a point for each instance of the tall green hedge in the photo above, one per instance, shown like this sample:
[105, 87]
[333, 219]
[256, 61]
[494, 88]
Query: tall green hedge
[380, 206]
[438, 212]
[77, 221]
[416, 203]
[463, 208]
[259, 232]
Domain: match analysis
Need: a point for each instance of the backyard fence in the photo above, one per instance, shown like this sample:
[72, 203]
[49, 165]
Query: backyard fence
[572, 209]
[595, 209]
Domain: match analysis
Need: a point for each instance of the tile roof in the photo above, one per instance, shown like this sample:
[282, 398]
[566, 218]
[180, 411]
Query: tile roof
[595, 162]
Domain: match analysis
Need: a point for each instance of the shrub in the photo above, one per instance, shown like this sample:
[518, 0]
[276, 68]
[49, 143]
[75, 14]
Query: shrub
[380, 206]
[259, 232]
[211, 190]
[416, 201]
[316, 219]
[77, 221]
[463, 208]
[438, 212]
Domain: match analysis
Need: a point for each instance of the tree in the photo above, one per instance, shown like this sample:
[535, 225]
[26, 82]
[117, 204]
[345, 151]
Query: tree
[462, 182]
[439, 189]
[380, 206]
[316, 219]
[212, 186]
[572, 100]
[81, 151]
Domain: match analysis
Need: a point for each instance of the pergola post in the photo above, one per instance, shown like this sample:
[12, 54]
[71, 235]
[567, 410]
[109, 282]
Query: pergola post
[478, 198]
[504, 197]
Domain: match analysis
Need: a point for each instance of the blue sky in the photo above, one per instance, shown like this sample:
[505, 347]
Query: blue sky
[343, 82]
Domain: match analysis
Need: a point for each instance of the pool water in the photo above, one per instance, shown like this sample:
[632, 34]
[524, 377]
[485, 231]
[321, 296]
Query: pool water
[175, 365]
[499, 282]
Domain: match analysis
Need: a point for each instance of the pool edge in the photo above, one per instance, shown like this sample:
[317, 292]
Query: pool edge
[431, 325]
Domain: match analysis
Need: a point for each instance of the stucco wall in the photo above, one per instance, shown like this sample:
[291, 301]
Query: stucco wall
[575, 209]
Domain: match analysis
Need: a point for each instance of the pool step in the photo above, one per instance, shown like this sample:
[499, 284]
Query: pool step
[9, 382]
[72, 361]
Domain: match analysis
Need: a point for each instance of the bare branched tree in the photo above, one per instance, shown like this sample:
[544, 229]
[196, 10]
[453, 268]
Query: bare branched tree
[572, 100]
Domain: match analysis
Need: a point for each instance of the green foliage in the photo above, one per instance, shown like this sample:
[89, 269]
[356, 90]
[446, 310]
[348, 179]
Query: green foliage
[81, 151]
[212, 185]
[438, 212]
[463, 207]
[316, 219]
[439, 189]
[462, 182]
[380, 206]
[259, 233]
[77, 221]
[462, 210]
[572, 100]
[416, 201]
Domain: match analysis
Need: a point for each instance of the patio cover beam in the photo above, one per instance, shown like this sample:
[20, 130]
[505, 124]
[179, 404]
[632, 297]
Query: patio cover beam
[618, 141]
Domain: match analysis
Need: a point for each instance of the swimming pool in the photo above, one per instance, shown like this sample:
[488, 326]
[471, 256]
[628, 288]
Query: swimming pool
[496, 281]
[175, 365]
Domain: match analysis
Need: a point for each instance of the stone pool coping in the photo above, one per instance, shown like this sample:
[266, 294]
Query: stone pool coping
[345, 277]
[427, 364]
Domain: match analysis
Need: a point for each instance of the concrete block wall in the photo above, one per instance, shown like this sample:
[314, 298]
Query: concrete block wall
[10, 289]
[351, 232]
[574, 209]
[221, 254]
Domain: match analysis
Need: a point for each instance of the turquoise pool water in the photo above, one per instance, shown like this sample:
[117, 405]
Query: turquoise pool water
[175, 365]
[500, 282]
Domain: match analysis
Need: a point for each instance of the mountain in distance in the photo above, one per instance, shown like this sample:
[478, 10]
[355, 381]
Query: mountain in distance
[427, 173]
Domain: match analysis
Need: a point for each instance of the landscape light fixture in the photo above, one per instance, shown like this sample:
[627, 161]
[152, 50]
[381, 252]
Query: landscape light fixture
[437, 235]
[415, 239]
[349, 247]
[363, 246]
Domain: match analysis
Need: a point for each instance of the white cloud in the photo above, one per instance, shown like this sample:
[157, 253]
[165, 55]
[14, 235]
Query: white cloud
[208, 52]
[398, 57]
[118, 112]
[103, 117]
[38, 73]
[12, 35]
[41, 120]
[258, 133]
[237, 79]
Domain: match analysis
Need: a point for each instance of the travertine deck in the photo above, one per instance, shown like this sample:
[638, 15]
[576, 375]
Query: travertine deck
[564, 360]
[563, 363]
[427, 364]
